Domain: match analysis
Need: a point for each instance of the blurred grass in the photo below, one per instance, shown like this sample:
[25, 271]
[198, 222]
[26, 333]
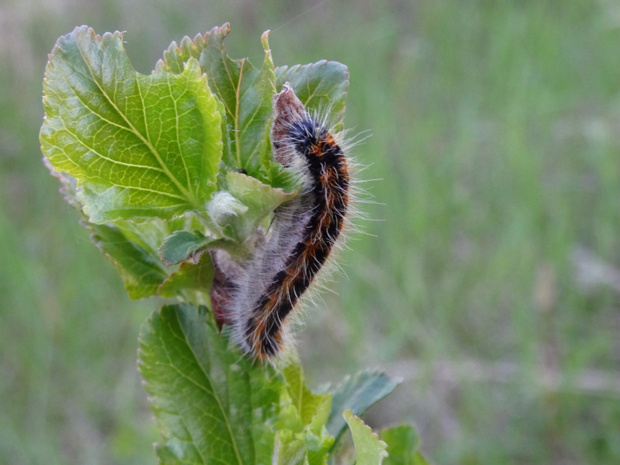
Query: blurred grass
[495, 130]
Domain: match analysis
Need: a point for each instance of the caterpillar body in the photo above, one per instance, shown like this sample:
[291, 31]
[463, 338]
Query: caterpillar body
[256, 297]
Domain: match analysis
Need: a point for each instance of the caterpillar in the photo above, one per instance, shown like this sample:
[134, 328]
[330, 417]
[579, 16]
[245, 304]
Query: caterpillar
[257, 297]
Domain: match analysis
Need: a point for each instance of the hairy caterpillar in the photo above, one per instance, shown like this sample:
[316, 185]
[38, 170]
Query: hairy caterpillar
[256, 297]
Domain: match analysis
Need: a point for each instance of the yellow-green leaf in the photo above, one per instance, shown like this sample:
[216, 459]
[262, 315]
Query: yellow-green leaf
[369, 449]
[139, 145]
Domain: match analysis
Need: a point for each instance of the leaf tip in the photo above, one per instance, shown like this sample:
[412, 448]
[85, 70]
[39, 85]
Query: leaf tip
[264, 39]
[192, 68]
[360, 430]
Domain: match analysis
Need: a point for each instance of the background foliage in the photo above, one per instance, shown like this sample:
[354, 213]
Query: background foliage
[492, 286]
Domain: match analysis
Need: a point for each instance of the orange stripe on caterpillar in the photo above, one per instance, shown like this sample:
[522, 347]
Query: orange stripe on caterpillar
[257, 297]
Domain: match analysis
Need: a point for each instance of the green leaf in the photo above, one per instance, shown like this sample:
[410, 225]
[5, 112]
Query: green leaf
[183, 245]
[301, 436]
[245, 92]
[320, 86]
[238, 211]
[140, 269]
[132, 249]
[259, 198]
[313, 408]
[139, 145]
[357, 393]
[189, 277]
[297, 443]
[313, 411]
[212, 404]
[290, 450]
[369, 449]
[174, 61]
[151, 233]
[246, 100]
[176, 56]
[141, 272]
[403, 443]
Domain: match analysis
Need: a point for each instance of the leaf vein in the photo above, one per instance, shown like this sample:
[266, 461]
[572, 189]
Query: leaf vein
[144, 140]
[224, 414]
[178, 138]
[111, 160]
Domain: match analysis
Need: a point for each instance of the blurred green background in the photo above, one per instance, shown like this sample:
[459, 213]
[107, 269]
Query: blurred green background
[492, 286]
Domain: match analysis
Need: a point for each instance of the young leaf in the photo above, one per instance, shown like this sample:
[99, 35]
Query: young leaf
[245, 92]
[313, 408]
[260, 200]
[289, 450]
[299, 442]
[357, 393]
[139, 146]
[313, 411]
[151, 233]
[174, 62]
[176, 56]
[402, 446]
[189, 277]
[321, 86]
[182, 245]
[369, 449]
[301, 448]
[212, 404]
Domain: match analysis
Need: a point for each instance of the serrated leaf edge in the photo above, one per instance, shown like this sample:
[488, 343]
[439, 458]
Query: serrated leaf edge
[349, 417]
